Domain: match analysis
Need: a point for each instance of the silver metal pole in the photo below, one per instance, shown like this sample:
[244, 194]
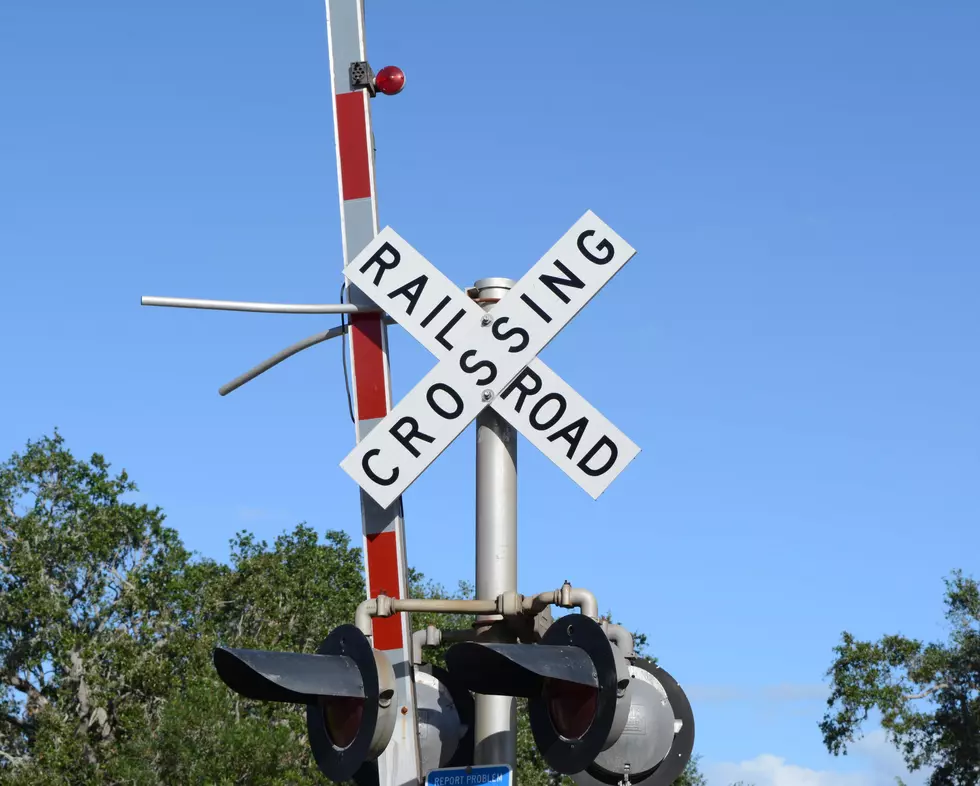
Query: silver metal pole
[496, 551]
[267, 308]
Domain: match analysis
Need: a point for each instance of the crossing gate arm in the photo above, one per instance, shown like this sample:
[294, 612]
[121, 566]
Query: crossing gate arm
[383, 529]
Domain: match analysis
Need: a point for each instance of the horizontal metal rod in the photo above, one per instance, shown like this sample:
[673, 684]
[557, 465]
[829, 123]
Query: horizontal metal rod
[279, 357]
[507, 604]
[268, 308]
[431, 636]
[383, 606]
[444, 606]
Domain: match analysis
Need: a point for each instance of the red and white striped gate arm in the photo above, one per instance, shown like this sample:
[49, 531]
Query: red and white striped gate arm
[384, 529]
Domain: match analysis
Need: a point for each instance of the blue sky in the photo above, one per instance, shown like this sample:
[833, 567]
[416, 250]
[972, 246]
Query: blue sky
[794, 346]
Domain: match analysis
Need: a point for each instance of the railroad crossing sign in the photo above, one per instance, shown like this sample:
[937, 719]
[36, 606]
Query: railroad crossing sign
[489, 359]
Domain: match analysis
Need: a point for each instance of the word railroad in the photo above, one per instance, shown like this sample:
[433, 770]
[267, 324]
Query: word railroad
[489, 358]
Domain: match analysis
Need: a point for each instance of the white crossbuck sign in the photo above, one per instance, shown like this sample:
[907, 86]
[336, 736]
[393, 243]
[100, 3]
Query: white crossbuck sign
[489, 359]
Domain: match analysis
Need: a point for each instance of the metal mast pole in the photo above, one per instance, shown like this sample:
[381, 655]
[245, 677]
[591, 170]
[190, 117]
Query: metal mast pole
[496, 551]
[384, 529]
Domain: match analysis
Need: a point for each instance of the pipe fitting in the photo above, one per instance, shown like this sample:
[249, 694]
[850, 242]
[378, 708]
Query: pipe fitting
[621, 637]
[581, 599]
[366, 611]
[535, 604]
[510, 604]
[381, 606]
[418, 641]
[430, 636]
[567, 597]
[385, 606]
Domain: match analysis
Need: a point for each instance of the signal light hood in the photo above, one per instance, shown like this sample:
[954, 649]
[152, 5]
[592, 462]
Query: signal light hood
[290, 677]
[518, 669]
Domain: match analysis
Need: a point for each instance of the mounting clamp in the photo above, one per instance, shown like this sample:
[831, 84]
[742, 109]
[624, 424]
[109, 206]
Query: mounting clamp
[362, 77]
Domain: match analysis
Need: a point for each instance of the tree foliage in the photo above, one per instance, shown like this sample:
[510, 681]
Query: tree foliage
[928, 694]
[107, 627]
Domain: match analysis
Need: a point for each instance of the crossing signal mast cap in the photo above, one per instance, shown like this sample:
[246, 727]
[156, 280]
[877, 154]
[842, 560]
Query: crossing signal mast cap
[390, 80]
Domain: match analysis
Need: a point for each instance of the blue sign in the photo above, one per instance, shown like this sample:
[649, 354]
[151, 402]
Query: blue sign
[479, 775]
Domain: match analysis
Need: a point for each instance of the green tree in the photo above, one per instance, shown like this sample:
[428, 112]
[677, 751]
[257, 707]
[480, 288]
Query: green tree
[83, 580]
[692, 775]
[928, 694]
[107, 628]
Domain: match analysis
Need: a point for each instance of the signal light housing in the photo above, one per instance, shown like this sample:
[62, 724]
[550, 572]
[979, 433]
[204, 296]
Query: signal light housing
[348, 688]
[446, 719]
[659, 736]
[576, 681]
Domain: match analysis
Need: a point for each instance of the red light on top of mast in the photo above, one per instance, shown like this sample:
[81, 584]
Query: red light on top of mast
[390, 80]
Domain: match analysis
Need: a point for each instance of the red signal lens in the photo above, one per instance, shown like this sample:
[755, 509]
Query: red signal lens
[342, 718]
[572, 707]
[390, 80]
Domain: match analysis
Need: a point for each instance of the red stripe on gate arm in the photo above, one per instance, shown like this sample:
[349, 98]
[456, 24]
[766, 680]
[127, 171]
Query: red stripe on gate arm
[382, 560]
[355, 174]
[368, 363]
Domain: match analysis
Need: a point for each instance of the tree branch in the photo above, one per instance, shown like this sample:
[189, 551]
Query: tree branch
[18, 683]
[82, 695]
[23, 725]
[120, 580]
[935, 689]
[926, 693]
[14, 760]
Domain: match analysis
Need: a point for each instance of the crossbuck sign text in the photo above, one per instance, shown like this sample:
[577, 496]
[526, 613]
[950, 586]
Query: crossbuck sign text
[489, 359]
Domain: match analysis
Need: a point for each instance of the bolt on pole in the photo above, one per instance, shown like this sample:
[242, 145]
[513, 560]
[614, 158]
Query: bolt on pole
[496, 551]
